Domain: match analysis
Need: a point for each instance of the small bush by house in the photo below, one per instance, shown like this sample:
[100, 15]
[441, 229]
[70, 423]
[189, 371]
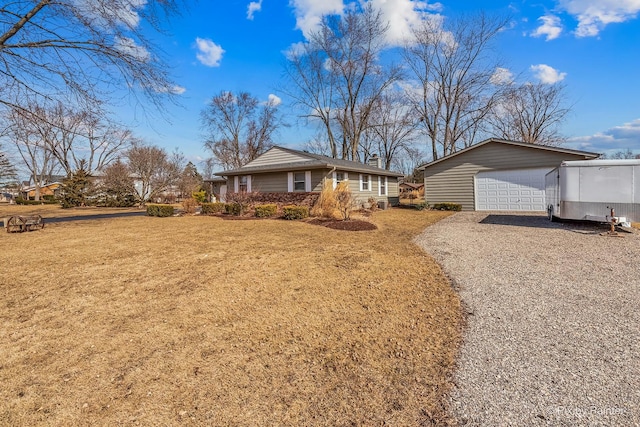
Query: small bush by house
[236, 209]
[160, 210]
[21, 201]
[189, 205]
[447, 207]
[266, 211]
[212, 208]
[295, 212]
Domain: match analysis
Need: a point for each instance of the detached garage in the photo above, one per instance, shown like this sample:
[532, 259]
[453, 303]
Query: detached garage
[496, 175]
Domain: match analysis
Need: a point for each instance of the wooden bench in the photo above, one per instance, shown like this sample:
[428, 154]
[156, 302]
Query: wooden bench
[20, 224]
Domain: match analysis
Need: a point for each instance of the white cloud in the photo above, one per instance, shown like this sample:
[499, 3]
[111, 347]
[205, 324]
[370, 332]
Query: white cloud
[594, 15]
[128, 46]
[611, 140]
[547, 74]
[551, 27]
[274, 100]
[254, 6]
[175, 90]
[502, 76]
[295, 50]
[309, 12]
[210, 53]
[403, 16]
[126, 12]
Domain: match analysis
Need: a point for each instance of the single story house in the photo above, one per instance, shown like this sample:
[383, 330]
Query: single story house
[48, 189]
[408, 187]
[283, 170]
[496, 175]
[214, 187]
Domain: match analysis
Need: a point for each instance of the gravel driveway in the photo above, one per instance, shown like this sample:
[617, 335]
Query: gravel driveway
[553, 335]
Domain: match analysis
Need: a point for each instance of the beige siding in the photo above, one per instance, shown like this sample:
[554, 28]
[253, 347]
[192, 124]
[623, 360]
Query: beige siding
[275, 182]
[452, 180]
[277, 156]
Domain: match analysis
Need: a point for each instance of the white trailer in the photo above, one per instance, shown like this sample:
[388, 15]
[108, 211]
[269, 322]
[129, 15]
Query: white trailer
[590, 189]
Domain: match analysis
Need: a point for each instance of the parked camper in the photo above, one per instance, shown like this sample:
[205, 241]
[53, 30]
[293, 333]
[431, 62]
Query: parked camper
[589, 189]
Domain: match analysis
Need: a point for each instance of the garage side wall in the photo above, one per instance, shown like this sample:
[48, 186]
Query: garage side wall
[452, 180]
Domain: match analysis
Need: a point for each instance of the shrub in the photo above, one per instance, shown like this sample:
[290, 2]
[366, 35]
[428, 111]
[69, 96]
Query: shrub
[234, 208]
[447, 207]
[295, 212]
[212, 208]
[326, 204]
[200, 196]
[373, 204]
[21, 201]
[422, 206]
[189, 205]
[344, 200]
[265, 211]
[160, 210]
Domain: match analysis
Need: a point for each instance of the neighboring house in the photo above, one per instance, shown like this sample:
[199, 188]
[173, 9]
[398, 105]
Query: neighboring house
[408, 187]
[216, 188]
[283, 170]
[49, 189]
[496, 175]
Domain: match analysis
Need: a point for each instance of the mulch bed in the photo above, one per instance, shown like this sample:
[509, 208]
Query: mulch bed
[336, 224]
[349, 225]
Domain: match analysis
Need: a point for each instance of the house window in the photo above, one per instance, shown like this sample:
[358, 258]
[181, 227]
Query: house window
[299, 182]
[242, 184]
[365, 183]
[338, 177]
[382, 185]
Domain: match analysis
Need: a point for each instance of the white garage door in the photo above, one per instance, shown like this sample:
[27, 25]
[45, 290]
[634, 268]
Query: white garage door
[510, 190]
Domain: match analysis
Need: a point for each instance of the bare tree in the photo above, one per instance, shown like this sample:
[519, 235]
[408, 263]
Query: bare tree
[621, 155]
[52, 49]
[77, 139]
[408, 160]
[153, 171]
[452, 64]
[530, 113]
[30, 143]
[239, 128]
[338, 77]
[393, 126]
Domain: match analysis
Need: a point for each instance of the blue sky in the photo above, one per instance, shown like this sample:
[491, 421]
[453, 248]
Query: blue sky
[592, 46]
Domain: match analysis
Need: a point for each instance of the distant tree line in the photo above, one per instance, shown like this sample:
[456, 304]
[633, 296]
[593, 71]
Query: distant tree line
[451, 91]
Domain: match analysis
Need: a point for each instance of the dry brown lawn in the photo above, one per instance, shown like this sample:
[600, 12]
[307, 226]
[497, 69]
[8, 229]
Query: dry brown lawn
[201, 321]
[55, 211]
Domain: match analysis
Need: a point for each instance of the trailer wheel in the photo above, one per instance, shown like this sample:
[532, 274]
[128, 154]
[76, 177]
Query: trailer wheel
[550, 212]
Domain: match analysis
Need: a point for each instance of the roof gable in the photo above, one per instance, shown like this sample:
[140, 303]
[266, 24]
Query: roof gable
[286, 159]
[278, 155]
[585, 154]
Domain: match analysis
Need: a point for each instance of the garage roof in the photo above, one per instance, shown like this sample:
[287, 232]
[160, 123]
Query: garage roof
[586, 154]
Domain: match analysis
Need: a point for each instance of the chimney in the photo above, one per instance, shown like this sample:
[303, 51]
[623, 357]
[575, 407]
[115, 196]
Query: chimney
[375, 161]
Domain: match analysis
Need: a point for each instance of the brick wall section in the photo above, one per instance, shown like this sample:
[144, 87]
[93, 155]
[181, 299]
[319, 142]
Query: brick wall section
[280, 199]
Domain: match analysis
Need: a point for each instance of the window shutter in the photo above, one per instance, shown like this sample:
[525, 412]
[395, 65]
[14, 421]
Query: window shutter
[361, 182]
[235, 184]
[307, 181]
[290, 182]
[248, 183]
[346, 176]
[379, 187]
[334, 180]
